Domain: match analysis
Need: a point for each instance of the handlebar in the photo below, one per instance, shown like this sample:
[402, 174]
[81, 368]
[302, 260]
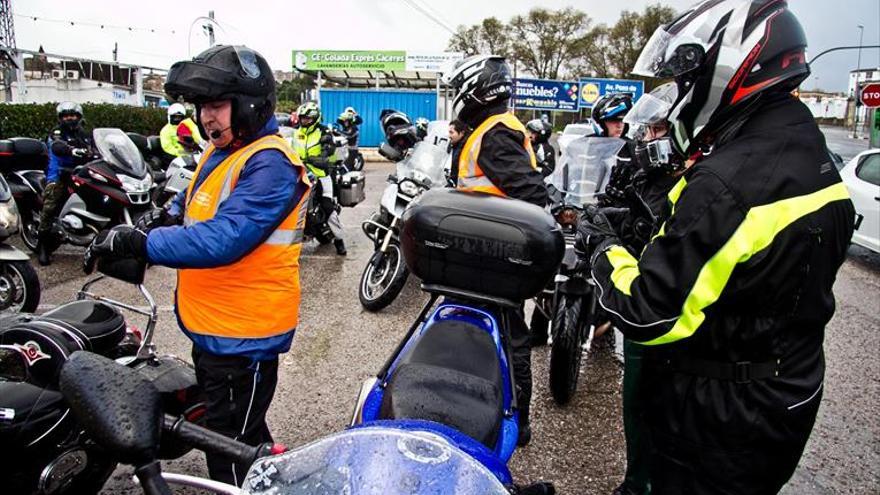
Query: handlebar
[209, 441]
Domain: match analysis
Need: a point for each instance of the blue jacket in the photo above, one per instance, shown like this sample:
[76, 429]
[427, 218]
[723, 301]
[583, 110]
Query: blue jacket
[65, 162]
[267, 190]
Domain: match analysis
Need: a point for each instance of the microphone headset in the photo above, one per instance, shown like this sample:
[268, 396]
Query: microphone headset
[215, 134]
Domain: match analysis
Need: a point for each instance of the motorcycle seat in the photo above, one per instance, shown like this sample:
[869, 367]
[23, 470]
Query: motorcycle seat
[452, 376]
[102, 326]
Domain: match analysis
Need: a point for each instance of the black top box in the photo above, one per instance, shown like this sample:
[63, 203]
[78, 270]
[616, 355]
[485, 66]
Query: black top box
[21, 153]
[476, 242]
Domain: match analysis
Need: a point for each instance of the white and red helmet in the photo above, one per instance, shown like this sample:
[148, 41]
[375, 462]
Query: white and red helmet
[724, 54]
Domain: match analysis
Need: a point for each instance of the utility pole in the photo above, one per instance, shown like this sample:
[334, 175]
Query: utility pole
[857, 93]
[115, 51]
[209, 27]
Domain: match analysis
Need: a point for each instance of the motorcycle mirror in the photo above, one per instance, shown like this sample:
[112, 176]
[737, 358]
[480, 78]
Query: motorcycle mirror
[116, 405]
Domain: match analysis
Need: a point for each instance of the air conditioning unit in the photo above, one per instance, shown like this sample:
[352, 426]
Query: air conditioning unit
[73, 74]
[58, 74]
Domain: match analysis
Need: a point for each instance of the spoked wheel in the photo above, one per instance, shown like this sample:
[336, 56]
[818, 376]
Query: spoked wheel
[19, 287]
[566, 351]
[30, 229]
[382, 281]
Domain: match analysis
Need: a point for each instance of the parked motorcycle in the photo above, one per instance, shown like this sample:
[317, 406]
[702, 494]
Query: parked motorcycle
[23, 164]
[347, 148]
[441, 415]
[19, 284]
[113, 188]
[570, 302]
[45, 450]
[385, 274]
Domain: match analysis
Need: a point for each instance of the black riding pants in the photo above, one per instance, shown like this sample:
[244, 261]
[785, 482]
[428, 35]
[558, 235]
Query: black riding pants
[238, 392]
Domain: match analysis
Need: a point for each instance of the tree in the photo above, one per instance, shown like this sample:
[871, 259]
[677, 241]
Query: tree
[630, 34]
[490, 36]
[292, 90]
[543, 39]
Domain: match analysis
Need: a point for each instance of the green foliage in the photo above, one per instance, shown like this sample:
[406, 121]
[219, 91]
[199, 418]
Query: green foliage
[290, 92]
[36, 120]
[564, 43]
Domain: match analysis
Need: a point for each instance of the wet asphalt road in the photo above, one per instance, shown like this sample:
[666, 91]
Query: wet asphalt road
[579, 447]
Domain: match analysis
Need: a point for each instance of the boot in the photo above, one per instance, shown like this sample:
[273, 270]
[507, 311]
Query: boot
[525, 429]
[43, 255]
[340, 247]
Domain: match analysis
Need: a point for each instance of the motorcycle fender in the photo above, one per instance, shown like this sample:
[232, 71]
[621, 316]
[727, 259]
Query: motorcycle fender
[389, 198]
[9, 253]
[574, 286]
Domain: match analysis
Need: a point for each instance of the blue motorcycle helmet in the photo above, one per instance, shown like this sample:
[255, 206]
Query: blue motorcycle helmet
[613, 106]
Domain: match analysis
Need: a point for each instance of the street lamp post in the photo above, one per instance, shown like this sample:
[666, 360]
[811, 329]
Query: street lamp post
[857, 93]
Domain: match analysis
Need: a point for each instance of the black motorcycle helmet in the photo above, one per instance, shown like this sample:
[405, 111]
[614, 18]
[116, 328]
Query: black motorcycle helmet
[541, 129]
[226, 72]
[481, 81]
[613, 106]
[67, 109]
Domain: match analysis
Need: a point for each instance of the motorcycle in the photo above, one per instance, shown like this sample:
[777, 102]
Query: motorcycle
[113, 188]
[385, 274]
[569, 304]
[347, 148]
[179, 174]
[19, 284]
[439, 417]
[45, 450]
[23, 164]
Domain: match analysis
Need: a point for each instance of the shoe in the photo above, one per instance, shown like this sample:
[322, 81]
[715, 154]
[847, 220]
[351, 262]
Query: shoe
[625, 489]
[43, 256]
[539, 339]
[340, 247]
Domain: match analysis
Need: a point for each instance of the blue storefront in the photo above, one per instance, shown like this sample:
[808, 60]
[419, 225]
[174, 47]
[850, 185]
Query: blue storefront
[370, 103]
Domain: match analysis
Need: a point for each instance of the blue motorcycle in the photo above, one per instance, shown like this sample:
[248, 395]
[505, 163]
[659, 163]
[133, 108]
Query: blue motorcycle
[441, 415]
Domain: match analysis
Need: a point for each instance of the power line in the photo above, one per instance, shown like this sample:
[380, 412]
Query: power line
[95, 24]
[429, 15]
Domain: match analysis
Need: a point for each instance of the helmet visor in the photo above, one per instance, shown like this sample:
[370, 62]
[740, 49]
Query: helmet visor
[651, 108]
[657, 61]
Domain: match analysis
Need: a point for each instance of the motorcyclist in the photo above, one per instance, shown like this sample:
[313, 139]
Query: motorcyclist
[642, 192]
[607, 120]
[539, 133]
[314, 145]
[497, 158]
[422, 127]
[70, 145]
[348, 122]
[458, 133]
[235, 236]
[731, 297]
[169, 135]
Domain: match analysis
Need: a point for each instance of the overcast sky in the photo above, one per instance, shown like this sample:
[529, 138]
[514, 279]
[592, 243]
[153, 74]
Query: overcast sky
[275, 28]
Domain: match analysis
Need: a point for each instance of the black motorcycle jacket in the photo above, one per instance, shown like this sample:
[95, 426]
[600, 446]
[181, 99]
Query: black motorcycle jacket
[61, 143]
[505, 161]
[732, 296]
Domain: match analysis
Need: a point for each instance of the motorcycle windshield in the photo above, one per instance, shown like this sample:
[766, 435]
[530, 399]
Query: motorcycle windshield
[118, 150]
[373, 461]
[425, 164]
[584, 169]
[5, 193]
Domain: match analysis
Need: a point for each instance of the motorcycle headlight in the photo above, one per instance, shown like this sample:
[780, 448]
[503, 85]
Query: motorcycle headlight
[9, 217]
[409, 188]
[130, 184]
[567, 217]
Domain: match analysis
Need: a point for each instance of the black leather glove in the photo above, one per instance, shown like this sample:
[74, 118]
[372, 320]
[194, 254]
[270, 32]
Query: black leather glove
[596, 230]
[120, 242]
[157, 218]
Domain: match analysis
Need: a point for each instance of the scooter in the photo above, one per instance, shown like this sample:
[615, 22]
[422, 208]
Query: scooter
[441, 415]
[113, 188]
[385, 275]
[19, 284]
[179, 174]
[23, 164]
[568, 305]
[45, 450]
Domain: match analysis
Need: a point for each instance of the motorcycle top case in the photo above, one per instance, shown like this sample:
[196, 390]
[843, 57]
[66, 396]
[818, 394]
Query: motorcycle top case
[23, 153]
[482, 243]
[351, 188]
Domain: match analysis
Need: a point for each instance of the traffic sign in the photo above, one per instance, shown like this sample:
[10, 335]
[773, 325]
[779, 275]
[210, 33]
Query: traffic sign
[870, 95]
[594, 88]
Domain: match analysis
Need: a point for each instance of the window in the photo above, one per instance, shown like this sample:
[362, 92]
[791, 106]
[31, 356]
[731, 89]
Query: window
[869, 169]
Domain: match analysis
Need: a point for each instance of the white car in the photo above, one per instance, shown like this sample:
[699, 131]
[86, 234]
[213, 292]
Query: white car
[572, 132]
[862, 177]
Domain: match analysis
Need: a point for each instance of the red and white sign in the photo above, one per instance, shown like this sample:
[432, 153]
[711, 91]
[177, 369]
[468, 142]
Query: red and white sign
[871, 95]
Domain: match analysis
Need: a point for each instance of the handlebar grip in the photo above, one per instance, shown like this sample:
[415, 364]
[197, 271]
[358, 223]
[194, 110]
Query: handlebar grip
[210, 441]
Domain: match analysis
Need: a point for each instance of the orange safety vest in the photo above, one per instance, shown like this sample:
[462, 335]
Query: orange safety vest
[257, 296]
[470, 176]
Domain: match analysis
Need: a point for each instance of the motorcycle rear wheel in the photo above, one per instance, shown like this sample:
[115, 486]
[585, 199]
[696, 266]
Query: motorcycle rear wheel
[30, 229]
[381, 284]
[19, 287]
[566, 352]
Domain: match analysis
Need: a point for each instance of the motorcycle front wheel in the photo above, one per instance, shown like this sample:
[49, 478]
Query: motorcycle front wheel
[566, 351]
[382, 281]
[19, 287]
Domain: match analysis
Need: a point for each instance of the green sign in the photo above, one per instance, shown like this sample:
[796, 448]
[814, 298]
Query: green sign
[349, 60]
